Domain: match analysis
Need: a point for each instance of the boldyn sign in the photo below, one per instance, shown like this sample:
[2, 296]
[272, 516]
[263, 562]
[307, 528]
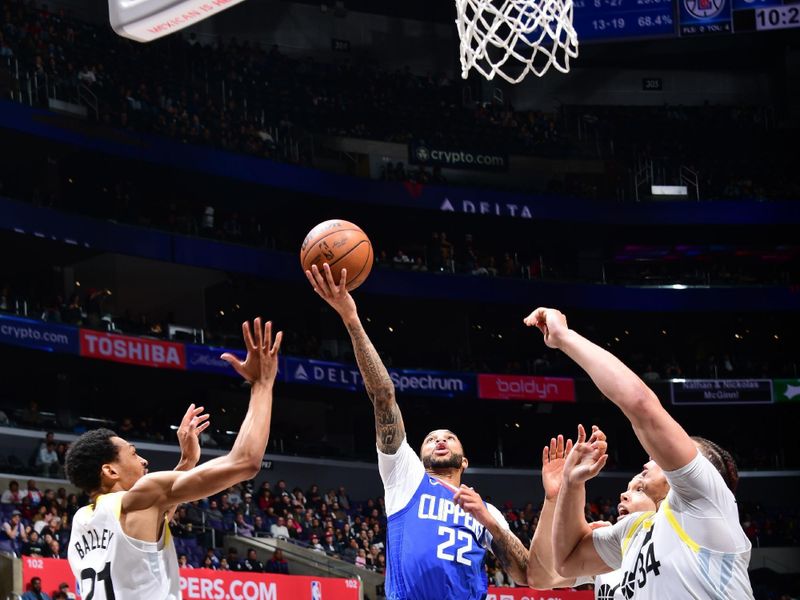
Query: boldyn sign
[430, 155]
[526, 387]
[348, 377]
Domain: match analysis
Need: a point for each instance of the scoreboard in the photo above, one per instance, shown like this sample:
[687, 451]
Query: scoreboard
[600, 20]
[616, 19]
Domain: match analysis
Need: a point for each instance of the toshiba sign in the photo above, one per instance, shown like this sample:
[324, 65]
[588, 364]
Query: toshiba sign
[525, 387]
[132, 350]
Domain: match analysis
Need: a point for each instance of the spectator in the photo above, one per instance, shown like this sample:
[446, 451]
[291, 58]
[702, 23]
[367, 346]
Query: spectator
[260, 528]
[13, 534]
[232, 560]
[33, 493]
[343, 498]
[12, 495]
[208, 564]
[361, 559]
[183, 562]
[315, 545]
[212, 557]
[251, 564]
[351, 552]
[34, 546]
[248, 507]
[277, 564]
[243, 528]
[279, 530]
[223, 565]
[53, 550]
[328, 546]
[213, 511]
[234, 497]
[294, 528]
[47, 460]
[64, 589]
[35, 593]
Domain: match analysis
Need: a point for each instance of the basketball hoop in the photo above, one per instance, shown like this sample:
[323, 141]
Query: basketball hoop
[512, 38]
[147, 20]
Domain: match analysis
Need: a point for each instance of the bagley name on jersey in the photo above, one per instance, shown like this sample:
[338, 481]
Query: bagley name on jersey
[93, 540]
[442, 509]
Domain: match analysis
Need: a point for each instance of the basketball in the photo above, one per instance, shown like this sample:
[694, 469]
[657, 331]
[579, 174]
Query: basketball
[341, 244]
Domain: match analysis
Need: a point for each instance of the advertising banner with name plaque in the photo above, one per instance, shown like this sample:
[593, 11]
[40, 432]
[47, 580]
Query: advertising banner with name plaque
[721, 391]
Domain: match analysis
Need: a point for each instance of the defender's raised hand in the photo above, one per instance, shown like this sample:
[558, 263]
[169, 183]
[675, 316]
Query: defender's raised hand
[261, 363]
[587, 459]
[193, 424]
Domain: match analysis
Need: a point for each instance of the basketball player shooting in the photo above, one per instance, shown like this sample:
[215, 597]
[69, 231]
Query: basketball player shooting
[120, 547]
[438, 528]
[693, 545]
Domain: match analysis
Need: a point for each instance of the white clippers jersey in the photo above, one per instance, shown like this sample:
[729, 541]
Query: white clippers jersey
[109, 565]
[693, 547]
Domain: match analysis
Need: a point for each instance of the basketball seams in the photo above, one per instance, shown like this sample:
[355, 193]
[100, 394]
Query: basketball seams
[318, 240]
[367, 265]
[346, 254]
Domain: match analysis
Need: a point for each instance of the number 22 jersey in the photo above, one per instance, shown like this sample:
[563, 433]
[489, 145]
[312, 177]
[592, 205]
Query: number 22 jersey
[434, 550]
[692, 547]
[109, 565]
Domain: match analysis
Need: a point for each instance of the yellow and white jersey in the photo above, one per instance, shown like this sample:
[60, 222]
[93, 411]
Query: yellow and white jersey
[109, 565]
[607, 584]
[692, 547]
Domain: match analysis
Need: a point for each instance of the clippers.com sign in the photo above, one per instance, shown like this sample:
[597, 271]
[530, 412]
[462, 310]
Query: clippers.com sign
[205, 584]
[132, 350]
[525, 387]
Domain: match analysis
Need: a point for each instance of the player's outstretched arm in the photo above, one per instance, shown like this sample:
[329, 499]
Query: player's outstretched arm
[389, 428]
[574, 553]
[660, 435]
[165, 489]
[542, 573]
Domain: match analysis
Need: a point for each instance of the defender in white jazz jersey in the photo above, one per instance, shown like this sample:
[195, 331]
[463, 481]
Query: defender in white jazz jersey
[632, 500]
[120, 547]
[692, 546]
[109, 564]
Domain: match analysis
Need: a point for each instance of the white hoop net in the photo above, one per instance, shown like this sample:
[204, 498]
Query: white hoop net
[512, 38]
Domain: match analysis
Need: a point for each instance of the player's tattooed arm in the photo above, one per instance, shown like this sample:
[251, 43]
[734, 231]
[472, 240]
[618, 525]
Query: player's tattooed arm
[389, 429]
[512, 555]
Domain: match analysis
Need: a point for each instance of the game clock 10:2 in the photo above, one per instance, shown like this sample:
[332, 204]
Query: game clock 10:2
[770, 15]
[777, 17]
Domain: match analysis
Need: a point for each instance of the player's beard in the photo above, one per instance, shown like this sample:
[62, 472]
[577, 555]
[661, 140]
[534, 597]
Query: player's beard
[432, 463]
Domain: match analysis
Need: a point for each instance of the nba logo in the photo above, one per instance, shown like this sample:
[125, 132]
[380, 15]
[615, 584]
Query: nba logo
[316, 590]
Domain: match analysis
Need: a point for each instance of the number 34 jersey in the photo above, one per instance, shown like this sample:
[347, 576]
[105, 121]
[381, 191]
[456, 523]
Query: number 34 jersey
[693, 547]
[434, 549]
[109, 565]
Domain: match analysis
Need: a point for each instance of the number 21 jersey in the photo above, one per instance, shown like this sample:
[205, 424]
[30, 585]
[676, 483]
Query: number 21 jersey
[109, 565]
